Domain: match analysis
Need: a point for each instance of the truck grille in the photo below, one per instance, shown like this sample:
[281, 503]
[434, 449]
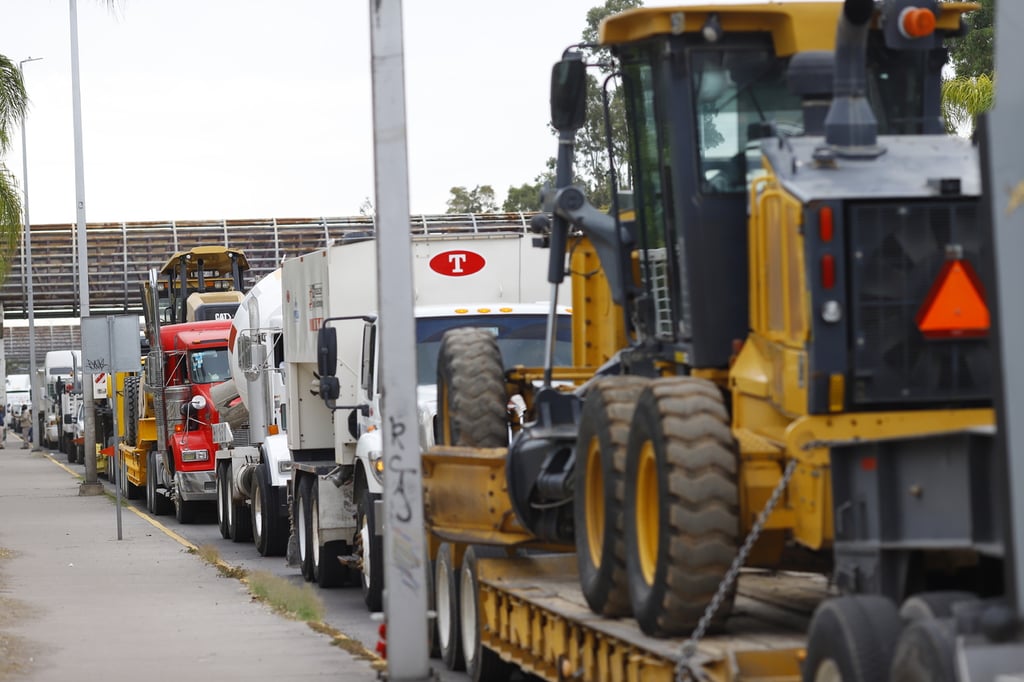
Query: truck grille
[241, 435]
[897, 251]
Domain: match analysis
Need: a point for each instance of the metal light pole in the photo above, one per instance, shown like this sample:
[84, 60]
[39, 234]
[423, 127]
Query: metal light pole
[33, 391]
[91, 484]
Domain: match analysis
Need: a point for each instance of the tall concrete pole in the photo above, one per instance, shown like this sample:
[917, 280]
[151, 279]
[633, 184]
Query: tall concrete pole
[405, 553]
[33, 392]
[91, 484]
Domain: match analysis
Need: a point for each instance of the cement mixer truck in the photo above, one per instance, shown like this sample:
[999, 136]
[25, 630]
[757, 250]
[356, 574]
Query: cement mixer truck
[253, 463]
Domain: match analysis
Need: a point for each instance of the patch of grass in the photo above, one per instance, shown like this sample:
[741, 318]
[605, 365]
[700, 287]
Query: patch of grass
[6, 553]
[353, 647]
[296, 601]
[210, 555]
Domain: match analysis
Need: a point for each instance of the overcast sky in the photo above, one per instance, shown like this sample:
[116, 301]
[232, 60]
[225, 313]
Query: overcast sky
[210, 109]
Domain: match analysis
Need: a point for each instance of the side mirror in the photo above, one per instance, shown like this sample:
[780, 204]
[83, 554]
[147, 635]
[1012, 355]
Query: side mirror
[569, 93]
[330, 388]
[326, 351]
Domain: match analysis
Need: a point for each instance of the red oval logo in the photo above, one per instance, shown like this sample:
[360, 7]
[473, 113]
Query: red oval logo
[457, 263]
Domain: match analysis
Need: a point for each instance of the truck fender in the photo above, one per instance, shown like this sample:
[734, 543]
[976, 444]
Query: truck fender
[368, 448]
[275, 451]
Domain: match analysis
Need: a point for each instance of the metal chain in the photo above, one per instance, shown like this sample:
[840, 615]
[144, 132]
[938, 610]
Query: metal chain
[685, 669]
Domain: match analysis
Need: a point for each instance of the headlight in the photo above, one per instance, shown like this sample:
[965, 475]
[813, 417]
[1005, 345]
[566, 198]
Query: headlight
[195, 455]
[377, 465]
[284, 467]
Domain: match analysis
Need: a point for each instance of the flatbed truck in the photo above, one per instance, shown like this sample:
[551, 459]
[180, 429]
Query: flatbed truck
[770, 426]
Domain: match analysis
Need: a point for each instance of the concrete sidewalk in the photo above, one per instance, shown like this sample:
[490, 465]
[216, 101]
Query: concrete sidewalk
[76, 603]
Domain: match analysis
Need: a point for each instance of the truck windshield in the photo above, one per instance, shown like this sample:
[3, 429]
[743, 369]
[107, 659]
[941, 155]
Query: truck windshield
[208, 366]
[520, 339]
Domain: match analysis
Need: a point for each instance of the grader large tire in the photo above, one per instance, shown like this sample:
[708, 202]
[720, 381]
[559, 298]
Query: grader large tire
[471, 399]
[681, 505]
[597, 503]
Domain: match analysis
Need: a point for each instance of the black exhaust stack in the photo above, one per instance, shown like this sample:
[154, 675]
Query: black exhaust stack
[851, 128]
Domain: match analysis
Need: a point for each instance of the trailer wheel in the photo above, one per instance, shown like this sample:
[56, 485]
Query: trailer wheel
[681, 511]
[131, 410]
[482, 663]
[852, 639]
[270, 533]
[157, 504]
[433, 640]
[240, 518]
[925, 652]
[471, 399]
[446, 596]
[327, 568]
[938, 604]
[371, 547]
[185, 512]
[302, 523]
[224, 499]
[597, 503]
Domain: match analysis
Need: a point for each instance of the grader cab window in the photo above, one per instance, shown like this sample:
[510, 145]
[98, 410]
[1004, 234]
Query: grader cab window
[734, 91]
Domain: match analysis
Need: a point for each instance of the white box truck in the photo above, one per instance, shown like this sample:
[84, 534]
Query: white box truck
[62, 373]
[492, 280]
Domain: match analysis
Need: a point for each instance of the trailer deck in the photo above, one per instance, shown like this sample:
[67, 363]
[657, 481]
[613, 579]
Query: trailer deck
[534, 614]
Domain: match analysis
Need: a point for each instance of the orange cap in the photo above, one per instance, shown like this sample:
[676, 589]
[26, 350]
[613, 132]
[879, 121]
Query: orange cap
[916, 22]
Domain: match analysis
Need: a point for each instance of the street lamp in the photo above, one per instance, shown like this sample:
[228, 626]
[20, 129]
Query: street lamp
[27, 271]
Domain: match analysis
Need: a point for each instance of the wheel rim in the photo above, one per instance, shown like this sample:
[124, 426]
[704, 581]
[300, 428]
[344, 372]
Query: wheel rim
[303, 549]
[314, 527]
[221, 513]
[257, 513]
[828, 671]
[443, 606]
[647, 512]
[229, 507]
[364, 549]
[594, 502]
[467, 608]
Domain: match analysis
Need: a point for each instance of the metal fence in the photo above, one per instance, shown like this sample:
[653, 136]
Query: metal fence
[121, 254]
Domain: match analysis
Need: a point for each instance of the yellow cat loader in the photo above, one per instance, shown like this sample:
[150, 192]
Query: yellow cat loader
[789, 369]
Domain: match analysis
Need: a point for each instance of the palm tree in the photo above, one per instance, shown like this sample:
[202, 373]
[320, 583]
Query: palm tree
[963, 99]
[13, 102]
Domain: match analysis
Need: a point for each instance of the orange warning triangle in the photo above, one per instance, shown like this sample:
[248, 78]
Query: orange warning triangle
[955, 306]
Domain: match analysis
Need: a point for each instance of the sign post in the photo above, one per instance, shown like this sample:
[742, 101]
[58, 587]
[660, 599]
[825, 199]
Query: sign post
[111, 344]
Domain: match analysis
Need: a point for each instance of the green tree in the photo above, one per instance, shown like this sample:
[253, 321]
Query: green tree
[593, 163]
[13, 103]
[963, 99]
[970, 91]
[973, 55]
[480, 199]
[525, 198]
